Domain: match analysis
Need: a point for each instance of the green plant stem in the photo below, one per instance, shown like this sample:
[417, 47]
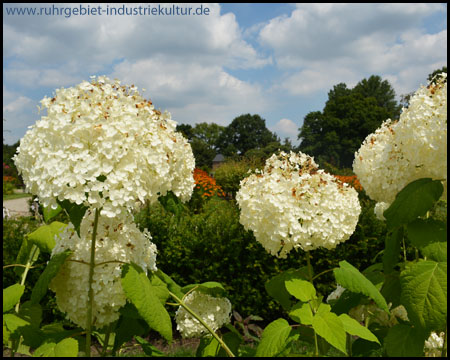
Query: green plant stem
[349, 344]
[221, 342]
[28, 266]
[310, 274]
[105, 344]
[90, 300]
[323, 272]
[404, 250]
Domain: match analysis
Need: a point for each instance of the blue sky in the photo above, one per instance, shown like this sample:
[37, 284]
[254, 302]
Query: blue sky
[276, 60]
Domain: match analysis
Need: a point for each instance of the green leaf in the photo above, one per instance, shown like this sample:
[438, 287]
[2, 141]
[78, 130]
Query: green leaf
[66, 348]
[44, 236]
[208, 346]
[273, 339]
[138, 289]
[392, 249]
[171, 203]
[171, 285]
[276, 288]
[45, 350]
[303, 290]
[31, 313]
[391, 289]
[148, 348]
[210, 287]
[355, 328]
[159, 287]
[430, 237]
[404, 341]
[414, 200]
[301, 313]
[126, 329]
[350, 278]
[14, 322]
[347, 301]
[424, 293]
[50, 213]
[11, 296]
[51, 270]
[330, 327]
[75, 212]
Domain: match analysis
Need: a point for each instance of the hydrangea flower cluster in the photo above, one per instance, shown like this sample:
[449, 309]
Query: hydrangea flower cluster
[412, 148]
[434, 345]
[214, 311]
[105, 146]
[292, 204]
[118, 240]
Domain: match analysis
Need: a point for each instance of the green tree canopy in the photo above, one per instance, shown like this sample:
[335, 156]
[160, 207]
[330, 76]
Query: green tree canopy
[349, 115]
[437, 72]
[203, 139]
[245, 132]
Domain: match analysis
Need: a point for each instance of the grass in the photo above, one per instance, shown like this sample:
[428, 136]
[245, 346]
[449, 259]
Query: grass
[15, 196]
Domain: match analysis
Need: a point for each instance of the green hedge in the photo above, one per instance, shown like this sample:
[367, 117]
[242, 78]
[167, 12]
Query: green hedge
[213, 246]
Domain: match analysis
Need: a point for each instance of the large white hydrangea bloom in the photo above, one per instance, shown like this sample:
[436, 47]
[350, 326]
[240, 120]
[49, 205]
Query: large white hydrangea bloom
[214, 311]
[412, 148]
[118, 239]
[293, 204]
[107, 141]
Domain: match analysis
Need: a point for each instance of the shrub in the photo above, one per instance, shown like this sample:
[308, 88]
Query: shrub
[213, 246]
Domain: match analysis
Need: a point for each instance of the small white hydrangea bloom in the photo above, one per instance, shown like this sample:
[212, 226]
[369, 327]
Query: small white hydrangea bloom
[117, 239]
[400, 152]
[105, 146]
[214, 311]
[336, 294]
[434, 345]
[293, 204]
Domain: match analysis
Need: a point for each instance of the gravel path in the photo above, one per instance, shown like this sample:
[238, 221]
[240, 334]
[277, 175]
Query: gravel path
[17, 207]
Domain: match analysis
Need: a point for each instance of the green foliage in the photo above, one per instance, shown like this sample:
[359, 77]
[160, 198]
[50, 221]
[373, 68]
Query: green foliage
[431, 77]
[349, 115]
[244, 133]
[230, 173]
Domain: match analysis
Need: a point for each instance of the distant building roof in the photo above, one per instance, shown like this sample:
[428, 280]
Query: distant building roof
[219, 158]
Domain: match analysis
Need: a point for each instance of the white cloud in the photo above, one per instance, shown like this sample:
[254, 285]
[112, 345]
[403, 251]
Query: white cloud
[320, 45]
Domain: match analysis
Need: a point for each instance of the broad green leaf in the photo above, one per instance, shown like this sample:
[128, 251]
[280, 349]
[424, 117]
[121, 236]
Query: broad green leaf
[208, 346]
[355, 328]
[44, 236]
[430, 237]
[349, 277]
[55, 332]
[148, 348]
[50, 213]
[303, 290]
[275, 287]
[330, 327]
[45, 350]
[414, 200]
[301, 313]
[51, 270]
[75, 212]
[159, 287]
[210, 287]
[138, 289]
[31, 313]
[66, 348]
[424, 293]
[26, 255]
[391, 289]
[392, 249]
[404, 341]
[273, 339]
[11, 296]
[232, 341]
[171, 285]
[125, 330]
[347, 301]
[14, 322]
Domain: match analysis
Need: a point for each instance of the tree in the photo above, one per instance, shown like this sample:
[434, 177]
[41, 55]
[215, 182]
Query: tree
[349, 115]
[245, 132]
[203, 139]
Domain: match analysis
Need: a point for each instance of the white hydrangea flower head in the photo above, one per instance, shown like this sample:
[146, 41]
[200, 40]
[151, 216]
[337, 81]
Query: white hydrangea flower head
[117, 239]
[293, 204]
[414, 147]
[105, 140]
[214, 311]
[336, 294]
[434, 345]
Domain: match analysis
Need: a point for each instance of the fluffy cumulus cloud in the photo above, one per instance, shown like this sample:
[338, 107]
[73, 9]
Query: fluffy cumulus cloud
[319, 45]
[286, 128]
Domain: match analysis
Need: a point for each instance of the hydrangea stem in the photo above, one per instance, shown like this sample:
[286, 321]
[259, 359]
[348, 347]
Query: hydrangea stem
[221, 342]
[90, 300]
[310, 275]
